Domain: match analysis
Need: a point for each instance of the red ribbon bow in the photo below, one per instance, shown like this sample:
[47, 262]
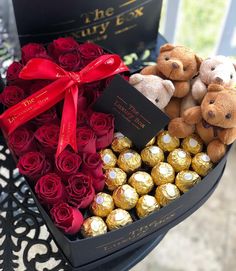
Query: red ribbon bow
[65, 86]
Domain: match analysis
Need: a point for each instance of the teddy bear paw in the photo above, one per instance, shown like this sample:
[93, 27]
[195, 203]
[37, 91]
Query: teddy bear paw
[178, 128]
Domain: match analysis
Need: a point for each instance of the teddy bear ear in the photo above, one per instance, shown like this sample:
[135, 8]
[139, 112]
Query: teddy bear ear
[199, 61]
[166, 47]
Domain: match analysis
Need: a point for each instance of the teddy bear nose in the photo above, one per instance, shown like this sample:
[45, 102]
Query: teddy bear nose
[218, 80]
[175, 65]
[211, 114]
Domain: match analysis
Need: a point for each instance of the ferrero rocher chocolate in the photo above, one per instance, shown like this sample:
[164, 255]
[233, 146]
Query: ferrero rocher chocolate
[120, 143]
[118, 218]
[102, 204]
[151, 142]
[142, 182]
[146, 205]
[93, 226]
[108, 157]
[201, 163]
[163, 173]
[192, 144]
[179, 159]
[186, 179]
[115, 177]
[166, 193]
[152, 155]
[167, 142]
[125, 197]
[129, 161]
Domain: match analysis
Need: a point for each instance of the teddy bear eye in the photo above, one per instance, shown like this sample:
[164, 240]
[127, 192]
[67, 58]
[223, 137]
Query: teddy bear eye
[157, 100]
[228, 116]
[212, 68]
[211, 102]
[167, 58]
[231, 76]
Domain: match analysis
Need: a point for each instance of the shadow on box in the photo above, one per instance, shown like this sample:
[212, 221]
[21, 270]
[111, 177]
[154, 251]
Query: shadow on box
[122, 38]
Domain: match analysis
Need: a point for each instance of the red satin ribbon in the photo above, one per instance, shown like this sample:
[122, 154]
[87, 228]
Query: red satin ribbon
[65, 86]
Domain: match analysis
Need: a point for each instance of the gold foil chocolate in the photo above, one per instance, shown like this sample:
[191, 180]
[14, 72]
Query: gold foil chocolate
[93, 226]
[125, 197]
[192, 144]
[120, 143]
[142, 182]
[166, 193]
[163, 173]
[186, 179]
[167, 142]
[146, 205]
[118, 218]
[102, 204]
[108, 157]
[201, 163]
[129, 161]
[179, 159]
[152, 155]
[151, 142]
[115, 177]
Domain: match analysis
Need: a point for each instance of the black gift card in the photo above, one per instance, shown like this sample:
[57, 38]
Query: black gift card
[121, 26]
[135, 116]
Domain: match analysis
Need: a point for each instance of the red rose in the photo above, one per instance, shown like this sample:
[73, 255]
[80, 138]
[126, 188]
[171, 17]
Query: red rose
[89, 52]
[32, 50]
[103, 126]
[39, 84]
[82, 103]
[13, 72]
[92, 95]
[49, 116]
[86, 140]
[68, 163]
[69, 61]
[67, 218]
[81, 118]
[33, 165]
[11, 95]
[80, 190]
[61, 46]
[22, 141]
[48, 136]
[50, 189]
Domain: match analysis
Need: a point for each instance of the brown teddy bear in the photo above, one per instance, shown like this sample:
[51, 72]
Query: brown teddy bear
[154, 88]
[218, 70]
[214, 121]
[178, 64]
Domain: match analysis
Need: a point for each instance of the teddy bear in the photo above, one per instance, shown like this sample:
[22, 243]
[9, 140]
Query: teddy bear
[214, 120]
[218, 70]
[178, 64]
[156, 89]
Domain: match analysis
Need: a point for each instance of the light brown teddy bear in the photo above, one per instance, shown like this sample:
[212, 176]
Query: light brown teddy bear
[157, 90]
[214, 121]
[178, 64]
[218, 70]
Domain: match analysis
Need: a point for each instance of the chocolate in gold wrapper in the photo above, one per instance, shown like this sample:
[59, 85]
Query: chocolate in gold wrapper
[163, 173]
[201, 163]
[102, 204]
[125, 197]
[186, 179]
[152, 155]
[118, 218]
[142, 182]
[166, 193]
[167, 142]
[108, 157]
[151, 142]
[129, 161]
[93, 226]
[120, 143]
[146, 205]
[115, 177]
[192, 144]
[179, 159]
